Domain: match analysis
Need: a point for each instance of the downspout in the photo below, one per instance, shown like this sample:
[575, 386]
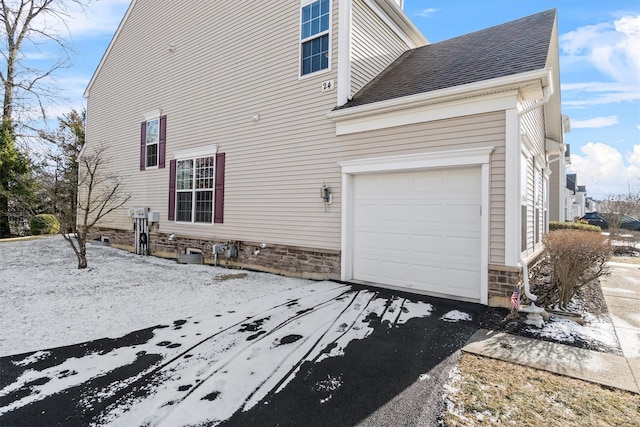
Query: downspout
[534, 313]
[546, 96]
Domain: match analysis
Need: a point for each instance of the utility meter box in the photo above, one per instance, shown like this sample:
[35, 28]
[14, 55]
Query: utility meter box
[154, 216]
[138, 212]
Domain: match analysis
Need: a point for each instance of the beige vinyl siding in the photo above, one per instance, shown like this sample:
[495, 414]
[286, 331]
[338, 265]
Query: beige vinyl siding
[497, 221]
[482, 130]
[532, 125]
[209, 87]
[222, 71]
[373, 46]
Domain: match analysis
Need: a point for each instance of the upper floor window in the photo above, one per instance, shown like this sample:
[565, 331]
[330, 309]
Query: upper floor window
[314, 36]
[151, 139]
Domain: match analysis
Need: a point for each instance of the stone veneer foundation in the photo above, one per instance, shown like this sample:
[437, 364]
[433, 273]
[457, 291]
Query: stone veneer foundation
[290, 260]
[280, 259]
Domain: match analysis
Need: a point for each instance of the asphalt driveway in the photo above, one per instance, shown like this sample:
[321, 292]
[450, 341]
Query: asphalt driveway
[327, 354]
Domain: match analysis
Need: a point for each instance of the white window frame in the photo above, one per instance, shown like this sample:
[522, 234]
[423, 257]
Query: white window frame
[327, 32]
[193, 156]
[153, 116]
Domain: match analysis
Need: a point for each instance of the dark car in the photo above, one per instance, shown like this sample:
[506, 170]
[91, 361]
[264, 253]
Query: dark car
[594, 218]
[630, 223]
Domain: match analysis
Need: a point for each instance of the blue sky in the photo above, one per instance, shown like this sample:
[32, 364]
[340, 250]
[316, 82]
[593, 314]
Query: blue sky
[599, 66]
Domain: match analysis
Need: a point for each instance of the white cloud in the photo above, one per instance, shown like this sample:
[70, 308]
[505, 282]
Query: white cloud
[98, 18]
[604, 170]
[596, 122]
[613, 49]
[102, 17]
[425, 13]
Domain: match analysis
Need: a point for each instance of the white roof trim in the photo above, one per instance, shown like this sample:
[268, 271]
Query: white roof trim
[445, 158]
[106, 53]
[442, 95]
[397, 20]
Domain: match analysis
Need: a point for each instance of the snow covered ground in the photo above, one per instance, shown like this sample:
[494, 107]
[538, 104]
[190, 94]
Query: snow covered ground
[47, 302]
[218, 341]
[224, 339]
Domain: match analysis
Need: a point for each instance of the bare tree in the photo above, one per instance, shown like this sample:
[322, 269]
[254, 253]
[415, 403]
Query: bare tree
[618, 206]
[100, 194]
[28, 26]
[29, 23]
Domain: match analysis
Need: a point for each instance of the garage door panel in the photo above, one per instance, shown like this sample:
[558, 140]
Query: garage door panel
[427, 244]
[394, 184]
[419, 230]
[427, 214]
[430, 277]
[365, 212]
[428, 183]
[393, 271]
[462, 283]
[393, 213]
[462, 181]
[364, 240]
[392, 242]
[461, 247]
[463, 214]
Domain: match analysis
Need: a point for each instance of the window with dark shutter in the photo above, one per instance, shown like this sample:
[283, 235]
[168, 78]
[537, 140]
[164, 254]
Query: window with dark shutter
[143, 146]
[219, 189]
[171, 215]
[196, 189]
[153, 143]
[162, 142]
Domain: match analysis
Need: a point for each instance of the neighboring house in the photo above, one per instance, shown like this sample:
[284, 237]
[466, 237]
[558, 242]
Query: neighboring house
[592, 205]
[577, 200]
[559, 157]
[330, 140]
[581, 200]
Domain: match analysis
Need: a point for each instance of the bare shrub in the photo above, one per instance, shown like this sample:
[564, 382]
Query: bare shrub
[576, 258]
[579, 225]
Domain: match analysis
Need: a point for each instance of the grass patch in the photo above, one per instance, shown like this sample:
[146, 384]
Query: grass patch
[223, 277]
[488, 392]
[627, 259]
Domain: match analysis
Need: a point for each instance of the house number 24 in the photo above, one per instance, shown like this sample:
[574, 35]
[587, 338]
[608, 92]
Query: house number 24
[328, 85]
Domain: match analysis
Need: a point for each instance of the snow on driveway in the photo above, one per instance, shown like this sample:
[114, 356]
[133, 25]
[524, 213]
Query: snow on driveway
[210, 341]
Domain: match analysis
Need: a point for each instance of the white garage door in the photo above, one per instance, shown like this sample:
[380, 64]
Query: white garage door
[419, 230]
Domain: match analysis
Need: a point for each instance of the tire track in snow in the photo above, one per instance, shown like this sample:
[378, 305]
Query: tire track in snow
[216, 352]
[43, 383]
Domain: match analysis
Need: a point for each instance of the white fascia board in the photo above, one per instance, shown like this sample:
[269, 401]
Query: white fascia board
[472, 89]
[106, 53]
[435, 159]
[374, 116]
[391, 14]
[427, 113]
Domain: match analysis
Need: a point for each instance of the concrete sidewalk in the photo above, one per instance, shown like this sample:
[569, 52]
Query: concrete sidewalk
[622, 294]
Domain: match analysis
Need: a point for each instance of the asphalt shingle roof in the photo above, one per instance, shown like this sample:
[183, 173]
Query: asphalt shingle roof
[507, 49]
